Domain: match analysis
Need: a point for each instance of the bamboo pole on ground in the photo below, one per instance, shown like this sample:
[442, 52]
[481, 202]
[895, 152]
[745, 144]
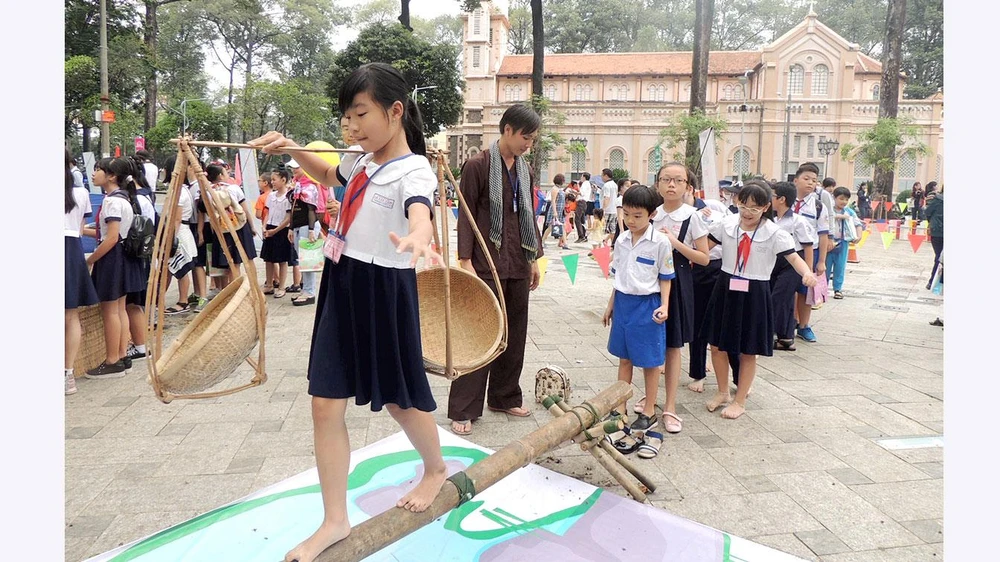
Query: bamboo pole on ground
[213, 144]
[616, 454]
[396, 523]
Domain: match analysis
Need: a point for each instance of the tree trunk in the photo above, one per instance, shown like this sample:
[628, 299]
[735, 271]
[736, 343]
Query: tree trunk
[404, 14]
[888, 103]
[150, 31]
[699, 72]
[229, 105]
[537, 74]
[246, 96]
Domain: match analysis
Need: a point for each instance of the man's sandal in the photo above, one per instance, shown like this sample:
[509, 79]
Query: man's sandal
[651, 447]
[461, 427]
[177, 308]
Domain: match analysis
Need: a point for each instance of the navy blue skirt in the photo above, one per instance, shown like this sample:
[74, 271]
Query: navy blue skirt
[277, 248]
[201, 260]
[366, 337]
[739, 322]
[109, 274]
[784, 282]
[245, 237]
[79, 286]
[136, 280]
[680, 321]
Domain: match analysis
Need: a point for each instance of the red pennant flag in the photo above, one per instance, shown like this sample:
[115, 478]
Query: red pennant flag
[603, 257]
[237, 173]
[916, 240]
[881, 226]
[888, 206]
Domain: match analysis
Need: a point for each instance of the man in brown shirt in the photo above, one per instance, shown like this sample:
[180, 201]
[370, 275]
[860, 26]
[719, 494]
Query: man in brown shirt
[499, 210]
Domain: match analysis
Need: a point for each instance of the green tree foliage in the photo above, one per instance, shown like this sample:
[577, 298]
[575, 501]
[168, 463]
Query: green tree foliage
[878, 145]
[80, 73]
[519, 37]
[204, 122]
[180, 58]
[549, 140]
[421, 63]
[923, 48]
[684, 128]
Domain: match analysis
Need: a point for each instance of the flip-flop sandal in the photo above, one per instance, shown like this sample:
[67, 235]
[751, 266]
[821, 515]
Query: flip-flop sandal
[303, 301]
[651, 447]
[269, 292]
[293, 289]
[177, 308]
[511, 411]
[278, 294]
[462, 423]
[623, 442]
[673, 424]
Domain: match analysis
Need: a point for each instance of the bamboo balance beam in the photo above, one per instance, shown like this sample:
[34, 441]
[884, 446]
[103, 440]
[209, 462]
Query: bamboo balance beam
[396, 523]
[213, 144]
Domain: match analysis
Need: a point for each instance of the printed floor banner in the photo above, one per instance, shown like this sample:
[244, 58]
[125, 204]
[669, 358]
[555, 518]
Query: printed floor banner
[534, 513]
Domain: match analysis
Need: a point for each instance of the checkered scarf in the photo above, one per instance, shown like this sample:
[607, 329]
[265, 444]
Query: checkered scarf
[526, 210]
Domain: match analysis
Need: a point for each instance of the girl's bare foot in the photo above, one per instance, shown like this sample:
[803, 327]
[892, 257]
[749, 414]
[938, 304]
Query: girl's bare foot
[322, 539]
[719, 399]
[733, 411]
[697, 386]
[421, 497]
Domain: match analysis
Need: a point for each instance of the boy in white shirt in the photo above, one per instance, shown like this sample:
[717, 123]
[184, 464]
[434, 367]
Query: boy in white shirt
[810, 206]
[643, 267]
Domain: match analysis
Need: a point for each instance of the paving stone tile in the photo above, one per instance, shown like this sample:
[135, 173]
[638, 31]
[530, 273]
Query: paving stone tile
[928, 530]
[710, 441]
[798, 419]
[757, 483]
[775, 459]
[822, 542]
[787, 542]
[695, 472]
[906, 501]
[864, 455]
[123, 401]
[829, 387]
[881, 417]
[791, 436]
[245, 464]
[85, 432]
[269, 426]
[932, 469]
[848, 476]
[88, 526]
[77, 548]
[169, 493]
[747, 515]
[120, 450]
[857, 523]
[176, 429]
[126, 528]
[929, 410]
[921, 553]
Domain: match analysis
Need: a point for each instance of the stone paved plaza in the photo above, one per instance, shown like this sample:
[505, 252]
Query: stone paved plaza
[802, 471]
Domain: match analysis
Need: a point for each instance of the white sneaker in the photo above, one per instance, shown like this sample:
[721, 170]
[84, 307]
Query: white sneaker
[70, 384]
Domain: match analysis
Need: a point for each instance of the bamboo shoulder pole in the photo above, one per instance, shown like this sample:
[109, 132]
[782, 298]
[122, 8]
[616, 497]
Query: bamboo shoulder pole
[396, 523]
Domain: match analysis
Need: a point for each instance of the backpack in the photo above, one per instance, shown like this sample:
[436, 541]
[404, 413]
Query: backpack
[142, 233]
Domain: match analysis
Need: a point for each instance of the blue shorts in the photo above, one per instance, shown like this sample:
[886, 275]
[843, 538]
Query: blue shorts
[634, 334]
[803, 290]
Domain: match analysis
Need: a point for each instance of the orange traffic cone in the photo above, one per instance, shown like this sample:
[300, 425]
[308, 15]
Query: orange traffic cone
[852, 254]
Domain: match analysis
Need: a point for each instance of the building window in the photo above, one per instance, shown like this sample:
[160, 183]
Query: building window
[741, 162]
[586, 92]
[686, 92]
[619, 92]
[795, 79]
[821, 79]
[811, 149]
[582, 92]
[862, 172]
[508, 93]
[728, 92]
[937, 168]
[616, 159]
[579, 161]
[550, 92]
[652, 167]
[477, 21]
[876, 90]
[657, 92]
[475, 56]
[906, 171]
[797, 146]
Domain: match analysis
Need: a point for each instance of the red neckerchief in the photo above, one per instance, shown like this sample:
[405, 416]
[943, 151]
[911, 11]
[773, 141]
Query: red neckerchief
[350, 207]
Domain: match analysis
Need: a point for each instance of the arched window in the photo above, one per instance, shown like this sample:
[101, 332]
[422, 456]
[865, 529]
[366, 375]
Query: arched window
[661, 93]
[652, 166]
[614, 92]
[579, 161]
[796, 79]
[550, 92]
[821, 79]
[616, 158]
[586, 92]
[578, 89]
[517, 92]
[686, 92]
[741, 162]
[906, 171]
[728, 92]
[652, 92]
[876, 90]
[862, 172]
[508, 93]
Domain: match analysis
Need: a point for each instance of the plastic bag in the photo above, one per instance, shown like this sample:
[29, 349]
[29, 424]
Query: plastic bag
[819, 293]
[311, 255]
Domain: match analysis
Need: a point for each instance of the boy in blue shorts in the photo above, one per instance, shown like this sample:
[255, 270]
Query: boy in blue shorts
[643, 267]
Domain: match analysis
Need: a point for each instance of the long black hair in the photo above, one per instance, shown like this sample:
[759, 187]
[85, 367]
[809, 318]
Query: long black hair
[386, 86]
[70, 200]
[124, 172]
[214, 172]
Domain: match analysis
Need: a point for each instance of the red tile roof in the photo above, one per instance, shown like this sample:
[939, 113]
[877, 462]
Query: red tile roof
[868, 65]
[621, 64]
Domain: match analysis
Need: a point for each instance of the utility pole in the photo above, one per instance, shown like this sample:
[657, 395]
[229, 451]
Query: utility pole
[784, 148]
[105, 100]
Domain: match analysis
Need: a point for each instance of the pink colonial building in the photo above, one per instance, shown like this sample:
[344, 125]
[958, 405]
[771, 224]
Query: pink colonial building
[619, 103]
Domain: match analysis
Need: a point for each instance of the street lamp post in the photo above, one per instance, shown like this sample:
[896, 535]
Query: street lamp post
[581, 141]
[418, 88]
[826, 148]
[184, 118]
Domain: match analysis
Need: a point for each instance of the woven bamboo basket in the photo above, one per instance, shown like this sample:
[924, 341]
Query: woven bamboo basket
[455, 302]
[476, 317]
[92, 350]
[222, 336]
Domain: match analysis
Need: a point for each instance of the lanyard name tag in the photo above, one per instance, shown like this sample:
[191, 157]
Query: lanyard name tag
[739, 284]
[333, 247]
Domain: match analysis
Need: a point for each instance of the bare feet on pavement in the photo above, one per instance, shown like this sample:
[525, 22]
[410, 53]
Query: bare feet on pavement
[697, 386]
[719, 399]
[733, 410]
[421, 497]
[323, 538]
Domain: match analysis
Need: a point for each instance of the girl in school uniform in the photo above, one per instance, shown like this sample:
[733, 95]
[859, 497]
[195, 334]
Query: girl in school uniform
[114, 219]
[739, 318]
[79, 287]
[277, 248]
[784, 279]
[366, 336]
[688, 237]
[137, 270]
[219, 177]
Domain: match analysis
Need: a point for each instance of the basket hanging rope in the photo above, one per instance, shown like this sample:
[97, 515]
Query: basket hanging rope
[222, 336]
[462, 300]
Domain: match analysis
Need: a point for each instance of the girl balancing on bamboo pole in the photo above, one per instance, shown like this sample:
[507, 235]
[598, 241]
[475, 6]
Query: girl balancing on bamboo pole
[366, 336]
